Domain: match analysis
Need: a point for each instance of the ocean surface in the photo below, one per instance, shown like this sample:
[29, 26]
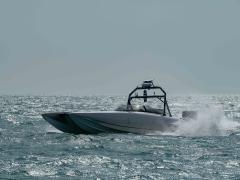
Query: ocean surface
[205, 148]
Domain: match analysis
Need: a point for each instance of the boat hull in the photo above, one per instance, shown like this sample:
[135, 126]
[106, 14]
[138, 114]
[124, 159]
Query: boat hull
[110, 122]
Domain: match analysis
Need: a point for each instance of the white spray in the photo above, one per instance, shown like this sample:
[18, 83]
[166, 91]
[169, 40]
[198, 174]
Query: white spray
[210, 121]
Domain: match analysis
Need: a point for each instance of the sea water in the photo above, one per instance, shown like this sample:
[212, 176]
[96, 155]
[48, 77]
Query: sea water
[205, 148]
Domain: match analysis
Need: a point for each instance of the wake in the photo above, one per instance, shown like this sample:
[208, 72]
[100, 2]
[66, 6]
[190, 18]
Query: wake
[210, 121]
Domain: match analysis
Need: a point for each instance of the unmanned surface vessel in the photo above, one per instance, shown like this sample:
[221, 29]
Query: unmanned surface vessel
[125, 119]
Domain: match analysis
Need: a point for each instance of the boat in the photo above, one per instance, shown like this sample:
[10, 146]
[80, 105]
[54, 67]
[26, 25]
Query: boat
[129, 118]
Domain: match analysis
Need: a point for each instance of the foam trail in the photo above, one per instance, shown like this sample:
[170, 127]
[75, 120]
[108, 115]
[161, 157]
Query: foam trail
[209, 122]
[51, 129]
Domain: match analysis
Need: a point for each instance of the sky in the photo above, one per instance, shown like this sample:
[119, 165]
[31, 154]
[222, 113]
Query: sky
[93, 47]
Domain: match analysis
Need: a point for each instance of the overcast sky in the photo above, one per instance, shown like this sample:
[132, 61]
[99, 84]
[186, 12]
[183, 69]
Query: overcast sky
[82, 47]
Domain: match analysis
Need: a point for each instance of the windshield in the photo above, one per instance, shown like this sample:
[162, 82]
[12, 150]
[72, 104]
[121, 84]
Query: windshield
[140, 108]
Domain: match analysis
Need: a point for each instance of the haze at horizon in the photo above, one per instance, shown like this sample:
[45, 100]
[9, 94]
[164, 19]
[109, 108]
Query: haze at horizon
[108, 47]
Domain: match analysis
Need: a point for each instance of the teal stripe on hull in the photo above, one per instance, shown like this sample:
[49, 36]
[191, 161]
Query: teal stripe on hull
[90, 125]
